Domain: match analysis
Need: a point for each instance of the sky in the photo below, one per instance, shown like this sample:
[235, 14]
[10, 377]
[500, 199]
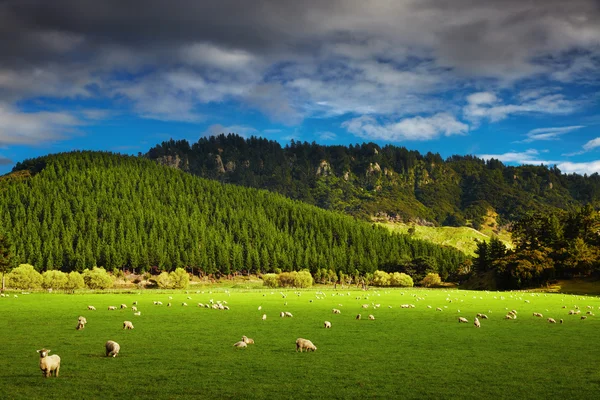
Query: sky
[514, 80]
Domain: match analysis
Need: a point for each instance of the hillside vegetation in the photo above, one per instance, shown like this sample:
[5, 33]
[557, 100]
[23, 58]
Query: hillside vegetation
[392, 182]
[77, 210]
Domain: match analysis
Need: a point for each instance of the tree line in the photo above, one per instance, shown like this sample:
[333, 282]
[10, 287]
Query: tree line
[74, 211]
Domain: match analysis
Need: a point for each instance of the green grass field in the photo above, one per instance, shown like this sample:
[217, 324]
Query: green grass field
[187, 352]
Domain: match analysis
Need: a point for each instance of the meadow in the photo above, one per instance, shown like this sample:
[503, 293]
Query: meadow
[183, 352]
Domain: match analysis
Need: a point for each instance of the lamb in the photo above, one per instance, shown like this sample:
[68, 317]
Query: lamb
[264, 317]
[200, 305]
[138, 313]
[184, 304]
[169, 304]
[336, 311]
[327, 324]
[583, 317]
[127, 325]
[371, 317]
[112, 348]
[123, 306]
[358, 316]
[92, 308]
[247, 340]
[80, 326]
[537, 314]
[477, 323]
[49, 363]
[305, 344]
[133, 308]
[552, 320]
[82, 320]
[112, 307]
[288, 314]
[462, 319]
[282, 314]
[438, 309]
[240, 344]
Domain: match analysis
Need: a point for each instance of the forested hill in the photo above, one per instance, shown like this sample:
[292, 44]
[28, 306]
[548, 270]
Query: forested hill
[390, 182]
[76, 210]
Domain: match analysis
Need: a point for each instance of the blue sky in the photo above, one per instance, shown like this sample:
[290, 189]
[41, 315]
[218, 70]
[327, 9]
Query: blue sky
[518, 81]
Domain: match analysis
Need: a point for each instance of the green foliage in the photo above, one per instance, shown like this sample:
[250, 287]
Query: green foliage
[401, 279]
[97, 278]
[270, 280]
[54, 279]
[24, 277]
[74, 281]
[303, 279]
[431, 280]
[381, 278]
[179, 279]
[126, 212]
[6, 259]
[163, 280]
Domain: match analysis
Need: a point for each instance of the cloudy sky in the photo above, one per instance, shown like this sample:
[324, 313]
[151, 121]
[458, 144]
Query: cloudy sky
[511, 79]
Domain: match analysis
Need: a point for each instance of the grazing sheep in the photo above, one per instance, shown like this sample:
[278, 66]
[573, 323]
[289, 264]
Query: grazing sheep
[133, 308]
[82, 320]
[127, 325]
[365, 306]
[305, 344]
[138, 313]
[508, 316]
[552, 320]
[92, 308]
[282, 314]
[80, 326]
[200, 305]
[184, 304]
[247, 340]
[259, 308]
[159, 303]
[112, 348]
[336, 311]
[371, 317]
[288, 314]
[123, 306]
[438, 309]
[327, 324]
[135, 303]
[112, 307]
[561, 321]
[462, 319]
[264, 317]
[537, 314]
[169, 304]
[358, 316]
[571, 312]
[240, 344]
[583, 317]
[477, 323]
[49, 363]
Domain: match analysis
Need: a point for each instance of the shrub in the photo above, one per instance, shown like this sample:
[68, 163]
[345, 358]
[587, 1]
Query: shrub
[163, 280]
[381, 278]
[270, 280]
[303, 279]
[286, 279]
[54, 279]
[401, 279]
[24, 277]
[74, 281]
[431, 280]
[179, 279]
[97, 278]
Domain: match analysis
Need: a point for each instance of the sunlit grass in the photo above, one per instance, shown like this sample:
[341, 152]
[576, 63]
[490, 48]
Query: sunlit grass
[187, 352]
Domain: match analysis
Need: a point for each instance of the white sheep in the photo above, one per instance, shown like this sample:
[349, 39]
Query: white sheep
[49, 363]
[169, 304]
[282, 314]
[123, 306]
[127, 325]
[82, 320]
[462, 319]
[336, 311]
[240, 344]
[371, 317]
[288, 314]
[92, 308]
[537, 314]
[80, 326]
[477, 323]
[259, 308]
[358, 316]
[561, 321]
[438, 309]
[112, 307]
[552, 320]
[305, 344]
[327, 324]
[264, 317]
[583, 317]
[138, 313]
[135, 303]
[247, 340]
[133, 308]
[184, 304]
[112, 348]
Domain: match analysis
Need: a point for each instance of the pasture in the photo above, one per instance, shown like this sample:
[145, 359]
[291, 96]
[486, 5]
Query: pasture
[414, 353]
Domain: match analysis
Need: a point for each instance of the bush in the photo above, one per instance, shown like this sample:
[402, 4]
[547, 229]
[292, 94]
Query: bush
[381, 278]
[286, 279]
[179, 279]
[163, 280]
[431, 280]
[74, 281]
[24, 277]
[303, 279]
[401, 279]
[54, 279]
[97, 278]
[270, 280]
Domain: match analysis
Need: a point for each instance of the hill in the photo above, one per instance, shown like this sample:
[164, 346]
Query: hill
[389, 182]
[76, 210]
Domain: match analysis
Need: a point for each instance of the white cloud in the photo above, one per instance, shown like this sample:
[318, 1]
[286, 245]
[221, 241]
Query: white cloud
[327, 135]
[208, 54]
[529, 156]
[592, 144]
[34, 128]
[549, 133]
[589, 168]
[416, 128]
